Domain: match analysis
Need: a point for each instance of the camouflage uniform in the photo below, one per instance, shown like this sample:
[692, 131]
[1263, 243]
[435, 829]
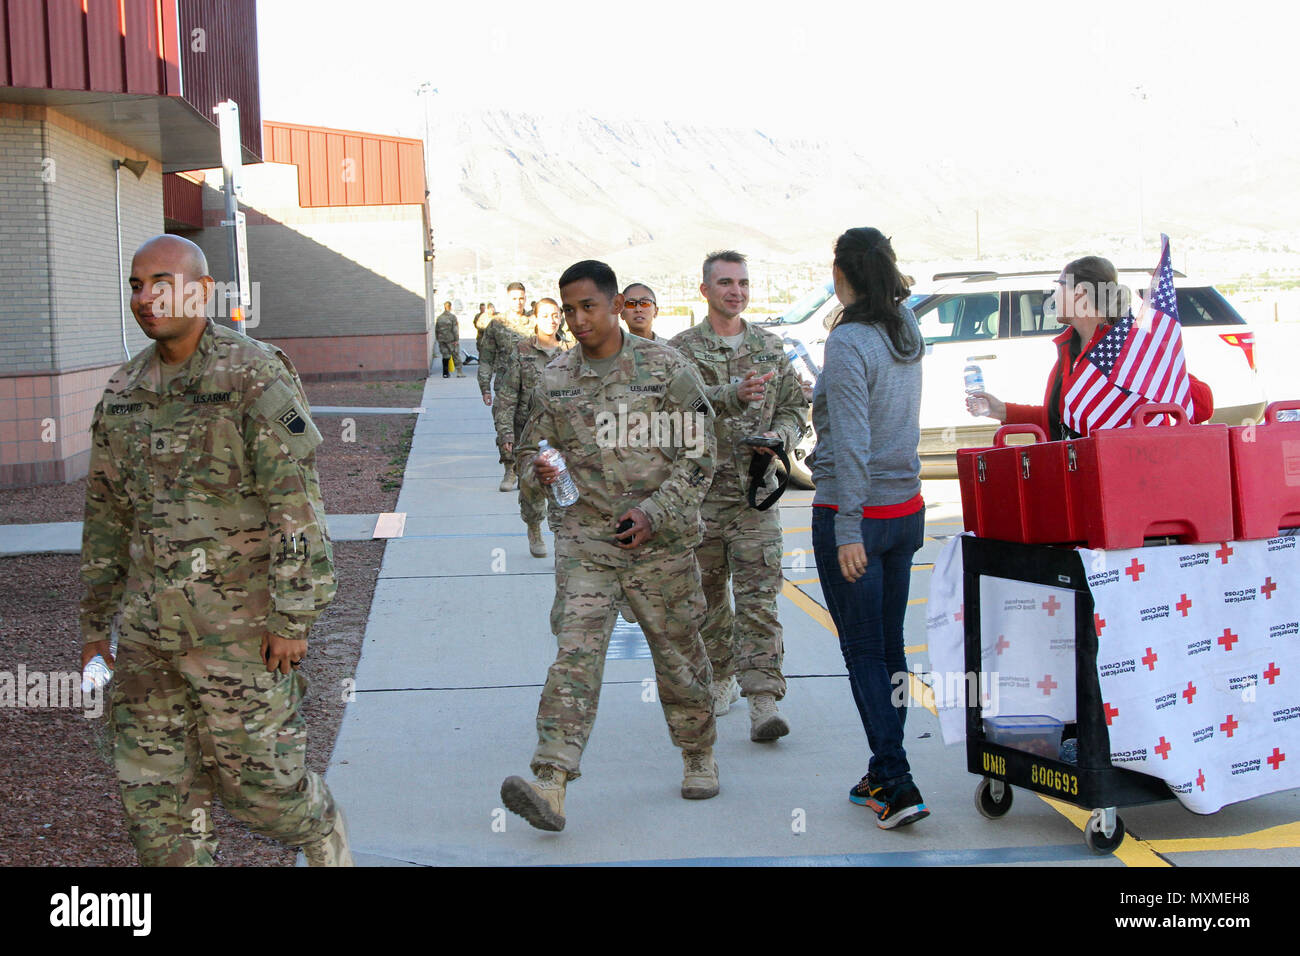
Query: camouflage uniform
[204, 531]
[741, 543]
[446, 330]
[494, 347]
[494, 350]
[516, 398]
[660, 578]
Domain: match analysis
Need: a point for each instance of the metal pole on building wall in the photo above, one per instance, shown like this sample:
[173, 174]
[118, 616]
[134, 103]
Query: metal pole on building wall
[117, 205]
[232, 164]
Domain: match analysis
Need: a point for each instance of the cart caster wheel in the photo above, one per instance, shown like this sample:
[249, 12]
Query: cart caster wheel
[987, 804]
[1097, 841]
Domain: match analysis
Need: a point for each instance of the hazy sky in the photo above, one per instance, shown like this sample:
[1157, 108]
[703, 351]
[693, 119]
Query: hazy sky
[1061, 76]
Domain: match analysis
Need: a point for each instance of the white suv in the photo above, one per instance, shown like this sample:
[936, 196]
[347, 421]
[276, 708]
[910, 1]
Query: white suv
[998, 321]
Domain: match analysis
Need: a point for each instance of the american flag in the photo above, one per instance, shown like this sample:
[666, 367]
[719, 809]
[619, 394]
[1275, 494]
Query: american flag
[1136, 361]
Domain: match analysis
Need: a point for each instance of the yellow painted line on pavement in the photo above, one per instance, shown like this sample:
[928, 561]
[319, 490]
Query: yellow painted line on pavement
[823, 616]
[922, 567]
[809, 606]
[921, 693]
[917, 601]
[795, 530]
[806, 581]
[1132, 852]
[1284, 837]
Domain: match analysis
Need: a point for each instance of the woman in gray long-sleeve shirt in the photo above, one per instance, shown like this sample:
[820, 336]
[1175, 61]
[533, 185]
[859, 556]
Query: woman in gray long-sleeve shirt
[868, 515]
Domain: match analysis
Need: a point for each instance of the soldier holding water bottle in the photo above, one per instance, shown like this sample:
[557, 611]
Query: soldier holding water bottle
[635, 431]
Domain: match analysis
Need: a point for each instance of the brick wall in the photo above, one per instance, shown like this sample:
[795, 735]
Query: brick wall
[26, 341]
[83, 248]
[60, 311]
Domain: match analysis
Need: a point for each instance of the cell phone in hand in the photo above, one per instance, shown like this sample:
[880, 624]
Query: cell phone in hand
[762, 441]
[627, 525]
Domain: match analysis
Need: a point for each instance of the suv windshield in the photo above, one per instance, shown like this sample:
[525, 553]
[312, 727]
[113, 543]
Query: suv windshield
[805, 307]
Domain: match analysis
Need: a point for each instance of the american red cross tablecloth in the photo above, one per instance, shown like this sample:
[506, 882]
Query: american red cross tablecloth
[1198, 660]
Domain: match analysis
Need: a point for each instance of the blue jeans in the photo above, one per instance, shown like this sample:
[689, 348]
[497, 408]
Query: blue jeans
[869, 617]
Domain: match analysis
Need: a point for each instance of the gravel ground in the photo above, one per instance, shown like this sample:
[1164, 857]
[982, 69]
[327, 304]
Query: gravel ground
[356, 464]
[59, 803]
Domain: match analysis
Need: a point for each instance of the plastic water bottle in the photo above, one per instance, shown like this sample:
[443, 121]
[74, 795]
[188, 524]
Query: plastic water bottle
[975, 383]
[96, 675]
[563, 490]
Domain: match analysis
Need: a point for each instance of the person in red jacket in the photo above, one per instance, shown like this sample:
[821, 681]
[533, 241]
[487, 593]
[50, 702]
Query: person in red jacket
[1088, 300]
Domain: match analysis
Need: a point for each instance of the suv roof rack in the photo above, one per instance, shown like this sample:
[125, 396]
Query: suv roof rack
[989, 274]
[980, 273]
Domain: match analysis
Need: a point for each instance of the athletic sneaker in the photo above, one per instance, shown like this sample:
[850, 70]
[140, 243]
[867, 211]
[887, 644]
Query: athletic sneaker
[902, 805]
[868, 793]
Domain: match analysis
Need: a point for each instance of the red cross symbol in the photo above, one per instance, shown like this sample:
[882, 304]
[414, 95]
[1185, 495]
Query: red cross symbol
[1051, 605]
[1190, 692]
[959, 614]
[1098, 622]
[1228, 639]
[1135, 569]
[1229, 725]
[1002, 644]
[1111, 712]
[1150, 659]
[1048, 685]
[1272, 672]
[1224, 552]
[1163, 749]
[1184, 604]
[1200, 778]
[1276, 758]
[1267, 589]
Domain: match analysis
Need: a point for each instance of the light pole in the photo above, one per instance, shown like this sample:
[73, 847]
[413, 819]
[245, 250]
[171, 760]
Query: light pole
[1139, 95]
[427, 90]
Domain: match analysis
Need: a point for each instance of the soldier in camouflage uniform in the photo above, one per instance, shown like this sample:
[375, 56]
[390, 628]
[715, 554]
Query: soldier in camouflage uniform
[591, 407]
[205, 537]
[446, 330]
[515, 401]
[755, 390]
[640, 310]
[494, 350]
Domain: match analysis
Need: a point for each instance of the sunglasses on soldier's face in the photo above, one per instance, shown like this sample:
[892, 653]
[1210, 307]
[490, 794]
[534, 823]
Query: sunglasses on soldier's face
[638, 303]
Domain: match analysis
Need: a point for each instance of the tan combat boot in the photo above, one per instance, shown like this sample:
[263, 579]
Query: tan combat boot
[536, 546]
[334, 849]
[699, 774]
[724, 695]
[541, 802]
[509, 481]
[765, 723]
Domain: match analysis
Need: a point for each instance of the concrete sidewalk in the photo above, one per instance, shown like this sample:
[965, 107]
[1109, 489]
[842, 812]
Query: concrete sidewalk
[456, 651]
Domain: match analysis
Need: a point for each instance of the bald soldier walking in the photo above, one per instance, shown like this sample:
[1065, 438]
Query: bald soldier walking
[205, 537]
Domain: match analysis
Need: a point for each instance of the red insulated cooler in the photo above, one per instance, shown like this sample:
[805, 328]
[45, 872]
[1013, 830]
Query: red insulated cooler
[991, 502]
[1266, 474]
[1145, 482]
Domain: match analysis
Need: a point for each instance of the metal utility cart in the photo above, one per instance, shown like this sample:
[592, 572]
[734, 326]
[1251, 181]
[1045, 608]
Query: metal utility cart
[1093, 784]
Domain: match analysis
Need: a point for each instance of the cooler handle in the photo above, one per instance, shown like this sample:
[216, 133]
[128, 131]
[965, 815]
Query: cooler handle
[1270, 413]
[1000, 436]
[1148, 410]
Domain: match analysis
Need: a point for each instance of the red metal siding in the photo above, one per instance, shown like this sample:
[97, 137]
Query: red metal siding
[67, 28]
[138, 47]
[28, 44]
[182, 200]
[104, 45]
[347, 168]
[142, 55]
[226, 65]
